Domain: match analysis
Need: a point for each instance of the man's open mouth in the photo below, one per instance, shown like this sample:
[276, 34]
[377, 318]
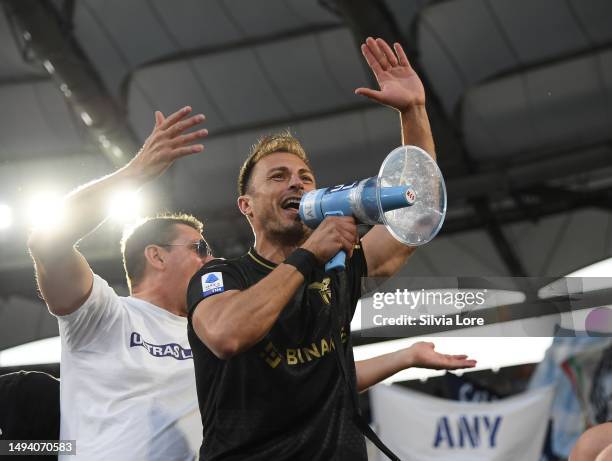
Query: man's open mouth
[291, 203]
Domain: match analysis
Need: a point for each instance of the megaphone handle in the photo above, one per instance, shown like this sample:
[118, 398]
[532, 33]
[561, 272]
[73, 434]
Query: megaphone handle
[338, 262]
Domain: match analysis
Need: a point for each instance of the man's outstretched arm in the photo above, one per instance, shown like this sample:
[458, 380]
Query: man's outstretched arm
[402, 90]
[64, 276]
[421, 355]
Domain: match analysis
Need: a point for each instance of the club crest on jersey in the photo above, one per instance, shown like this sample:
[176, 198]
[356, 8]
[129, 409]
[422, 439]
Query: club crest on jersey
[212, 283]
[323, 288]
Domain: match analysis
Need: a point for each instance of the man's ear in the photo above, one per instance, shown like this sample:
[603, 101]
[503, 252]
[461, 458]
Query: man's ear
[245, 205]
[154, 256]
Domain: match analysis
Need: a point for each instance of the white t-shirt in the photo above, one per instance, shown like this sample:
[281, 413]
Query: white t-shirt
[127, 381]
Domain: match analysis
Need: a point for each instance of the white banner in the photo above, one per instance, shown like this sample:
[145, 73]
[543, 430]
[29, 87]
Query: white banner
[418, 427]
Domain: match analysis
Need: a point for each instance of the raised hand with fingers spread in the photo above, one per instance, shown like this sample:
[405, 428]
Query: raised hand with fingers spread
[167, 142]
[400, 86]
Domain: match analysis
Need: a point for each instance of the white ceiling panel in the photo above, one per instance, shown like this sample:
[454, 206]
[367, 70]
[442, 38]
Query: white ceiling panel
[464, 42]
[141, 112]
[542, 109]
[573, 96]
[240, 87]
[539, 29]
[208, 179]
[497, 119]
[311, 12]
[558, 245]
[132, 27]
[470, 37]
[253, 19]
[325, 136]
[303, 75]
[465, 254]
[40, 122]
[594, 17]
[446, 79]
[196, 23]
[345, 63]
[120, 36]
[105, 56]
[405, 11]
[169, 87]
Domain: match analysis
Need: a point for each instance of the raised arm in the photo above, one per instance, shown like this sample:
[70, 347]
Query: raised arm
[402, 90]
[64, 276]
[421, 355]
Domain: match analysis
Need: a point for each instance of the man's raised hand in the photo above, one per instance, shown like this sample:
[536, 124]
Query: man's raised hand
[167, 142]
[400, 86]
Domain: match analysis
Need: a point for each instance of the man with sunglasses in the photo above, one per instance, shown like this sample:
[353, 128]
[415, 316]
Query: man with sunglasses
[127, 381]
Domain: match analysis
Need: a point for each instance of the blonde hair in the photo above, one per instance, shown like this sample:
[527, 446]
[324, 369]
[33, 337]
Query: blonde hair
[277, 142]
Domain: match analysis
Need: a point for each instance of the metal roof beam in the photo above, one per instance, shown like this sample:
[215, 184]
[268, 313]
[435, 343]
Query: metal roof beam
[44, 33]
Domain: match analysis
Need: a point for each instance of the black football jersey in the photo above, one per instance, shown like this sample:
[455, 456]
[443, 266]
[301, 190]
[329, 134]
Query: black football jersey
[285, 398]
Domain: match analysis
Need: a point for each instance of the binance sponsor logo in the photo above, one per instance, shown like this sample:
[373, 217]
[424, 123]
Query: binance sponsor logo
[270, 355]
[300, 355]
[323, 288]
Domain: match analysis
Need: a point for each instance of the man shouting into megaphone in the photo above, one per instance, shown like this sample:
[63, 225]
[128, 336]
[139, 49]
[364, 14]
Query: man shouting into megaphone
[270, 330]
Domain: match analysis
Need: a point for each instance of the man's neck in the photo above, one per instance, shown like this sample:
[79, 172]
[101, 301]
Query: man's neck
[159, 299]
[273, 250]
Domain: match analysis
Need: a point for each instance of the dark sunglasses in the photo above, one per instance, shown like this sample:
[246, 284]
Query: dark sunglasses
[200, 247]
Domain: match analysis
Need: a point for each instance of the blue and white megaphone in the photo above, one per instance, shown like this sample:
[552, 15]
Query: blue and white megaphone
[408, 196]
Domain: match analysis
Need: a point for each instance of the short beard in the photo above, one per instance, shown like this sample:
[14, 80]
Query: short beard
[292, 236]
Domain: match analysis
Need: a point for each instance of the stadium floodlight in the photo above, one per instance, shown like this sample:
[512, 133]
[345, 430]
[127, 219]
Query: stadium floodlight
[125, 206]
[45, 210]
[6, 216]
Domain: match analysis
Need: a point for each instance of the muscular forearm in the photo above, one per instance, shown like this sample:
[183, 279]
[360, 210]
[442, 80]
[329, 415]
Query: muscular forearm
[374, 370]
[416, 130]
[232, 323]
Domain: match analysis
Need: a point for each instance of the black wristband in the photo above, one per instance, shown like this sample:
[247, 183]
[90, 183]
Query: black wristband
[303, 260]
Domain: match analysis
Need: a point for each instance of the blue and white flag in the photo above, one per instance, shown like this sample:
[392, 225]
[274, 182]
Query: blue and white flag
[418, 427]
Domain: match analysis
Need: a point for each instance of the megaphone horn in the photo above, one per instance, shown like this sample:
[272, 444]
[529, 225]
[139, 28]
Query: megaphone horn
[408, 196]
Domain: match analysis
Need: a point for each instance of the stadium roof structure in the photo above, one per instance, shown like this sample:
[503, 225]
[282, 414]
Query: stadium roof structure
[519, 97]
